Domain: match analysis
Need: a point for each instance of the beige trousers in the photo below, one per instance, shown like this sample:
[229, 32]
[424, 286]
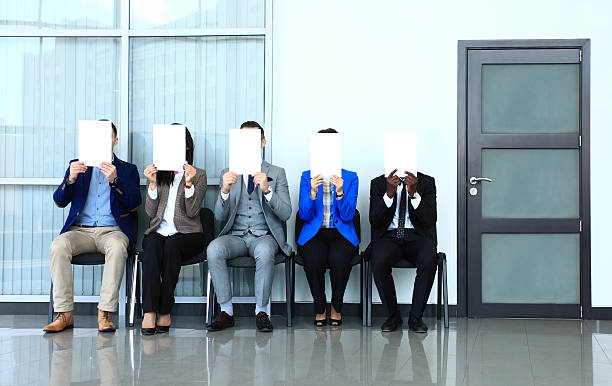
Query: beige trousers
[110, 241]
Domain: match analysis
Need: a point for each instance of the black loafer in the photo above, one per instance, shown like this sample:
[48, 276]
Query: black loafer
[221, 322]
[148, 331]
[392, 323]
[262, 321]
[162, 329]
[417, 325]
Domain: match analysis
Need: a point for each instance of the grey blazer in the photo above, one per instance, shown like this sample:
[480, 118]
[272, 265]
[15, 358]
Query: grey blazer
[276, 211]
[186, 211]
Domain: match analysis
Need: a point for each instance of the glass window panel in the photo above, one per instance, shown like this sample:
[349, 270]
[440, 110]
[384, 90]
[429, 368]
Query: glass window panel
[530, 183]
[59, 14]
[209, 84]
[53, 83]
[530, 98]
[170, 14]
[531, 268]
[26, 233]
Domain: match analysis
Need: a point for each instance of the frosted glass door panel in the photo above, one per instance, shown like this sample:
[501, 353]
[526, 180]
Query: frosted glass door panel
[530, 183]
[531, 268]
[530, 98]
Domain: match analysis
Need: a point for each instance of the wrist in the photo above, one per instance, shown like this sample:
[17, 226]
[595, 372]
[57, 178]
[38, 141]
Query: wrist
[340, 192]
[225, 190]
[152, 185]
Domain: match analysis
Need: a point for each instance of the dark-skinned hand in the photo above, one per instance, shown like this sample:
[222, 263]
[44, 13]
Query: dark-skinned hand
[393, 182]
[411, 183]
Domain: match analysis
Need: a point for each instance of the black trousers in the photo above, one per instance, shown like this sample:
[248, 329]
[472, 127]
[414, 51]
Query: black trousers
[161, 266]
[387, 251]
[328, 248]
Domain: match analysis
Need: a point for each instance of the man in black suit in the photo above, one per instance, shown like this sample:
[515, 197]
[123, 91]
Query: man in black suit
[403, 219]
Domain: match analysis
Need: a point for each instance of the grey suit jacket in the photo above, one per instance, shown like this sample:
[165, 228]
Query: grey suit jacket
[276, 211]
[186, 211]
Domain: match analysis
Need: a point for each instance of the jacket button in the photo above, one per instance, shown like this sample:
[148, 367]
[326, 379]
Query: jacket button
[249, 216]
[249, 207]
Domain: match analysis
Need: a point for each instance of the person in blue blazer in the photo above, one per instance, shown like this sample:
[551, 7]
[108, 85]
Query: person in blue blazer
[328, 237]
[101, 199]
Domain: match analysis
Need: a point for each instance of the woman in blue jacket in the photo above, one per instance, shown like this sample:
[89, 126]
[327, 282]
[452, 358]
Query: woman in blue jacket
[328, 237]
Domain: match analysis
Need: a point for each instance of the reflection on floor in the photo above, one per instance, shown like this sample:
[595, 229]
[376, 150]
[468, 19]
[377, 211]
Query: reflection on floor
[471, 352]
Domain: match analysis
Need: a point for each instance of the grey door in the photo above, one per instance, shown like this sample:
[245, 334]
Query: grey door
[523, 185]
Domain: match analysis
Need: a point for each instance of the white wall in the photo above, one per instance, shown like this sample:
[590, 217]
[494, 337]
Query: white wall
[364, 67]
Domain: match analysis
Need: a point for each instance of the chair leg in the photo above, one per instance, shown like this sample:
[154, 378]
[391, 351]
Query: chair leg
[133, 292]
[139, 289]
[369, 294]
[210, 304]
[362, 295]
[445, 293]
[50, 316]
[288, 283]
[439, 280]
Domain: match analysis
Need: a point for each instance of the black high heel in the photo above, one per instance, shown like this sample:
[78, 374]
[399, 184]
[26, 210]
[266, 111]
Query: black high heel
[320, 322]
[335, 322]
[148, 331]
[162, 329]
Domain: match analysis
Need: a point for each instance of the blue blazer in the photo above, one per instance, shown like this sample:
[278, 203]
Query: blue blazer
[124, 198]
[343, 211]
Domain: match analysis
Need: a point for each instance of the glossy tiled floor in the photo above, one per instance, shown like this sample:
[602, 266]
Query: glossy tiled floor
[471, 352]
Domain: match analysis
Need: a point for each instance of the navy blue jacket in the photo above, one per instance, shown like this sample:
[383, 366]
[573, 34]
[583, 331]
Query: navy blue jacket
[343, 210]
[124, 197]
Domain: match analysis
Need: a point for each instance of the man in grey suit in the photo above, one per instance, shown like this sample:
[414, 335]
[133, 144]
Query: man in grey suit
[252, 210]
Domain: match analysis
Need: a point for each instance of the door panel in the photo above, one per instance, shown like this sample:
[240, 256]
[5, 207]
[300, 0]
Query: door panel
[523, 227]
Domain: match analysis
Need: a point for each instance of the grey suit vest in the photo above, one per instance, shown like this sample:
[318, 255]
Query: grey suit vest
[249, 215]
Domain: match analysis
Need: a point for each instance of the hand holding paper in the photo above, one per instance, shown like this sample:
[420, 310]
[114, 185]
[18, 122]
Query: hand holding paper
[245, 151]
[169, 147]
[326, 154]
[95, 142]
[401, 153]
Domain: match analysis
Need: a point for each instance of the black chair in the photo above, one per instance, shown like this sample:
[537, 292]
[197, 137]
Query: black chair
[207, 219]
[249, 262]
[404, 263]
[358, 259]
[97, 258]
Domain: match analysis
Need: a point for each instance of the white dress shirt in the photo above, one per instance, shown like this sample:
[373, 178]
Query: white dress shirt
[167, 228]
[268, 195]
[416, 200]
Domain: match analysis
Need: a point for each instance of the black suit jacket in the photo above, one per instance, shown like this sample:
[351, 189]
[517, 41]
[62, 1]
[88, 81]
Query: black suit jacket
[422, 218]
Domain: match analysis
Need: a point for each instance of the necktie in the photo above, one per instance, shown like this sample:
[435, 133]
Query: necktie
[250, 185]
[401, 231]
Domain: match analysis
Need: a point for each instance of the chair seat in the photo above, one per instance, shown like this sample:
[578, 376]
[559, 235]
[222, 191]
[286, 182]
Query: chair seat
[299, 260]
[249, 262]
[91, 258]
[197, 259]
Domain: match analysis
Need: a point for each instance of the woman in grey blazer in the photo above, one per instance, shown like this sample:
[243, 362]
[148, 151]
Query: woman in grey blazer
[175, 234]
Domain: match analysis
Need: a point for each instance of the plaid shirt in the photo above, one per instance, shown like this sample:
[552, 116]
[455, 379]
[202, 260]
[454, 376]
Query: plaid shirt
[328, 217]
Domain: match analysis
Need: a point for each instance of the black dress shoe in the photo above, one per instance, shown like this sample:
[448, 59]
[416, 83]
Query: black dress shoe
[221, 322]
[392, 323]
[417, 324]
[162, 329]
[148, 331]
[263, 322]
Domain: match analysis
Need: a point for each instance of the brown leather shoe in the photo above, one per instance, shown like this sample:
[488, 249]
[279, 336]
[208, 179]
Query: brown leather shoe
[62, 321]
[105, 321]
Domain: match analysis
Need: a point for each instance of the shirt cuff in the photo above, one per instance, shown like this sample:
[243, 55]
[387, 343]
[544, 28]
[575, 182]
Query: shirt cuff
[388, 201]
[152, 194]
[268, 195]
[416, 200]
[189, 192]
[224, 196]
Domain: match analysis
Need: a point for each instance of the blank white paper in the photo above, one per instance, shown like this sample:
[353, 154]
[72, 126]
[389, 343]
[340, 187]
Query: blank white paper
[401, 153]
[95, 142]
[326, 154]
[169, 147]
[245, 151]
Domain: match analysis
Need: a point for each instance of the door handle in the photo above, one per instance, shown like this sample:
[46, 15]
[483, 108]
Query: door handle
[475, 180]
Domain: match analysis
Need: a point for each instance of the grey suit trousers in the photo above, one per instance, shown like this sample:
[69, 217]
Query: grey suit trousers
[263, 249]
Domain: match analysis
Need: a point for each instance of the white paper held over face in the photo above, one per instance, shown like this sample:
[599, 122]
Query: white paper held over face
[95, 142]
[401, 153]
[245, 151]
[169, 147]
[326, 154]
